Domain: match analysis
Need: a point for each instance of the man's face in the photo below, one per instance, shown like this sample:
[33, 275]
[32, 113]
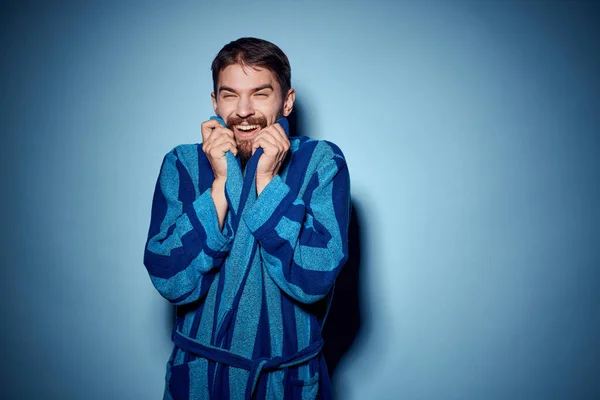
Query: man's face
[249, 99]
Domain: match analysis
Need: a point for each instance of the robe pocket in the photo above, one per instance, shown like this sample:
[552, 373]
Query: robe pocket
[187, 380]
[309, 388]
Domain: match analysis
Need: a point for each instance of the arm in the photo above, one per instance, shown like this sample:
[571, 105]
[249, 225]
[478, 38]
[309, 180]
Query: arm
[304, 242]
[185, 245]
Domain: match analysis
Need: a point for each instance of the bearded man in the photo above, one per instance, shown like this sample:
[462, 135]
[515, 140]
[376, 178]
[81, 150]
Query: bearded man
[247, 236]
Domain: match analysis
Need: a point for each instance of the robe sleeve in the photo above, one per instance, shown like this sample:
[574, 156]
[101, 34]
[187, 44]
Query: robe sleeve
[304, 240]
[185, 247]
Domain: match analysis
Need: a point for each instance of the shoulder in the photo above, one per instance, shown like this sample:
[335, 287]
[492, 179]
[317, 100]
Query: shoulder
[310, 157]
[305, 147]
[185, 151]
[186, 154]
[187, 157]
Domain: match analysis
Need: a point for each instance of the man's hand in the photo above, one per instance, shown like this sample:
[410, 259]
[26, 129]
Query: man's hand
[216, 141]
[275, 145]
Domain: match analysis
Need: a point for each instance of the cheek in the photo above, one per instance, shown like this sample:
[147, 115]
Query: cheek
[226, 108]
[270, 111]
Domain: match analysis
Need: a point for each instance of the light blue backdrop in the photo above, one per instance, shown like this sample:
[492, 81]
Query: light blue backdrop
[472, 132]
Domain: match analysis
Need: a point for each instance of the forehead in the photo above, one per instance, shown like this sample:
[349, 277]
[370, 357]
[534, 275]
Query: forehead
[244, 77]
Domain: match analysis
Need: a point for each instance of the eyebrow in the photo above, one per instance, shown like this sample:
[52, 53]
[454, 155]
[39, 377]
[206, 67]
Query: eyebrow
[256, 89]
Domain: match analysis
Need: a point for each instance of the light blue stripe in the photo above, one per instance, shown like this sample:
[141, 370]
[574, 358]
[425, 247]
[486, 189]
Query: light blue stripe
[303, 335]
[248, 313]
[172, 242]
[288, 229]
[199, 379]
[320, 152]
[234, 182]
[204, 334]
[275, 269]
[273, 295]
[169, 185]
[188, 155]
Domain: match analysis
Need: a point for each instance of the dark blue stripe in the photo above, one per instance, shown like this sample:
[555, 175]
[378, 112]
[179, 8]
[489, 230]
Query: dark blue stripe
[310, 188]
[341, 201]
[181, 312]
[211, 376]
[207, 280]
[290, 338]
[170, 231]
[318, 236]
[336, 150]
[199, 228]
[299, 165]
[168, 266]
[311, 282]
[186, 194]
[179, 384]
[182, 297]
[159, 207]
[213, 340]
[206, 175]
[262, 344]
[231, 210]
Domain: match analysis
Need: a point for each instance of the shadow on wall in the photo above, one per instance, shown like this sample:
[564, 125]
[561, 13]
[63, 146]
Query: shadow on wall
[344, 319]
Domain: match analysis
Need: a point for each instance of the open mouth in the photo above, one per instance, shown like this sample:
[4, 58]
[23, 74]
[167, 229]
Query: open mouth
[246, 131]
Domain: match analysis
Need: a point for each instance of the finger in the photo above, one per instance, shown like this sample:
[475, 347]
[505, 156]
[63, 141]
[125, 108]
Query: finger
[221, 133]
[219, 141]
[268, 144]
[224, 131]
[220, 150]
[280, 131]
[207, 128]
[281, 137]
[228, 146]
[215, 140]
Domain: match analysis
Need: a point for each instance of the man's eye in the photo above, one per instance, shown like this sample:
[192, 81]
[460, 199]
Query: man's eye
[261, 94]
[228, 96]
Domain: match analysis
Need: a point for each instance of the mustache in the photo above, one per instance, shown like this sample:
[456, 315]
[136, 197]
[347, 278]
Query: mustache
[233, 121]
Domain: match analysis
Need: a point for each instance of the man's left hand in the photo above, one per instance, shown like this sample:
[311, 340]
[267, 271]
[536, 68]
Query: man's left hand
[275, 145]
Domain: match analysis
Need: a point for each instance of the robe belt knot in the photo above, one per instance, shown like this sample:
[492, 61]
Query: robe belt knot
[256, 367]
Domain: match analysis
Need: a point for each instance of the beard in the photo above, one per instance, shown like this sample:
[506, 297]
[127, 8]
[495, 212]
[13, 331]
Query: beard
[244, 146]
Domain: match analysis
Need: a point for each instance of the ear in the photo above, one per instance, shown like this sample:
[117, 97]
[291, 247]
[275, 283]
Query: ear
[214, 102]
[288, 103]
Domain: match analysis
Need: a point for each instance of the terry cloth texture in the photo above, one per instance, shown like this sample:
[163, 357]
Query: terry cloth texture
[251, 299]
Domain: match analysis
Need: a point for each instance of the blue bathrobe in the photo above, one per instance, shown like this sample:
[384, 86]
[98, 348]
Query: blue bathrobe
[251, 299]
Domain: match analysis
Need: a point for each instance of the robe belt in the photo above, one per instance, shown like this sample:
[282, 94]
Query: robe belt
[256, 367]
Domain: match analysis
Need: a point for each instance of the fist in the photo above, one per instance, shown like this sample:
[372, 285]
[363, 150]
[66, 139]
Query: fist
[275, 145]
[216, 141]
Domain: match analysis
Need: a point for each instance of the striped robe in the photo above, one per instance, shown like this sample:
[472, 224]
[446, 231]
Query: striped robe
[251, 299]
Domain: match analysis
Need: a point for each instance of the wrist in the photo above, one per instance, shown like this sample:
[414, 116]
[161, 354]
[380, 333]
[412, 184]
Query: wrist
[219, 181]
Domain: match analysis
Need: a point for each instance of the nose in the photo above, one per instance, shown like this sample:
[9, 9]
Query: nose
[244, 107]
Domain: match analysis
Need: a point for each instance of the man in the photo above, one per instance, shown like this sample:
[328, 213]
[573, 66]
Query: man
[247, 235]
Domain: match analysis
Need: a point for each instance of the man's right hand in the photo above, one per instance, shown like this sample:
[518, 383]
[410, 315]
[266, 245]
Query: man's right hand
[216, 141]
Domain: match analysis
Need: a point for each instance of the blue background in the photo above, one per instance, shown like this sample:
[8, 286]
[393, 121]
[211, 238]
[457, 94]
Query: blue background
[472, 132]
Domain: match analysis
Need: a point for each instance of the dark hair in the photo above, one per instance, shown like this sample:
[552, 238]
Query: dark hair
[255, 53]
